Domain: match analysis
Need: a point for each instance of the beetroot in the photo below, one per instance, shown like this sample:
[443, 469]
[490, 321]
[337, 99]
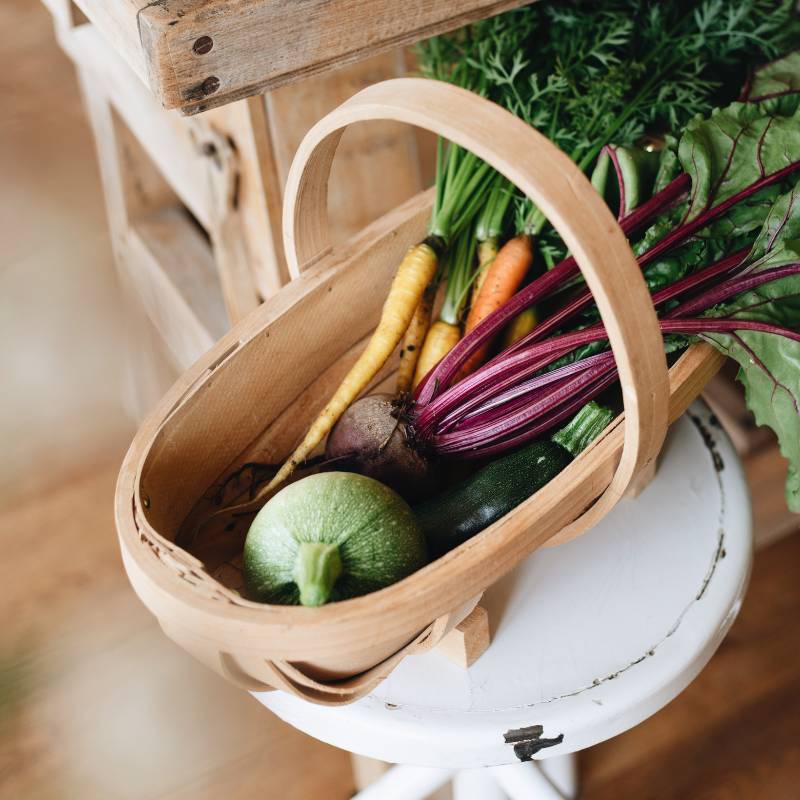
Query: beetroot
[371, 440]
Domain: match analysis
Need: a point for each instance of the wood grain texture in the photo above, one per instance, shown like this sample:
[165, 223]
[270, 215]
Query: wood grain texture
[119, 24]
[153, 367]
[181, 149]
[68, 596]
[73, 632]
[160, 255]
[258, 190]
[226, 229]
[96, 703]
[465, 644]
[166, 138]
[229, 166]
[216, 165]
[262, 44]
[170, 266]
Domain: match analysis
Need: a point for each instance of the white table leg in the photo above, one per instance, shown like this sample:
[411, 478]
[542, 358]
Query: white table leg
[563, 772]
[405, 783]
[366, 770]
[476, 784]
[527, 781]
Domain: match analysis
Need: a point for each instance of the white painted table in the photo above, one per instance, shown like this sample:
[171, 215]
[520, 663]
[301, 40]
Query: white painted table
[589, 639]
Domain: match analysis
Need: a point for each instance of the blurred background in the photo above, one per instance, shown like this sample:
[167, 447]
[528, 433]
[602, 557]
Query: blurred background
[94, 701]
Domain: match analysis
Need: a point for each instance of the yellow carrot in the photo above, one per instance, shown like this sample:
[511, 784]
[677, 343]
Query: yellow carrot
[520, 326]
[414, 273]
[441, 339]
[459, 268]
[487, 252]
[414, 338]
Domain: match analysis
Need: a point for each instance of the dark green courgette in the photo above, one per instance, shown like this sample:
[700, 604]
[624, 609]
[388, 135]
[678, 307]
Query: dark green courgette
[472, 505]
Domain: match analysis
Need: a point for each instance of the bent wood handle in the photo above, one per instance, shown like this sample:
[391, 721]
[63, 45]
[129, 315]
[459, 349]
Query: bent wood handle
[559, 189]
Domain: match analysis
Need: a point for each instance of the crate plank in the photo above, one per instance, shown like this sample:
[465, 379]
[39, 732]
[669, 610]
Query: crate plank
[178, 148]
[260, 201]
[376, 169]
[256, 45]
[184, 280]
[118, 21]
[151, 368]
[160, 253]
[166, 138]
[65, 13]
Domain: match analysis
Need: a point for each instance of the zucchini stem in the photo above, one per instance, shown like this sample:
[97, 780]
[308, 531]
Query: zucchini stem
[583, 428]
[316, 569]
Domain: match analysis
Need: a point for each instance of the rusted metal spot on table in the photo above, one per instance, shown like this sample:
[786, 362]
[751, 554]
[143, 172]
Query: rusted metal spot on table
[528, 741]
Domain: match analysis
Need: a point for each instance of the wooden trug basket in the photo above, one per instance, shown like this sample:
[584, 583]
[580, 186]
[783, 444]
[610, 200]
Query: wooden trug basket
[251, 397]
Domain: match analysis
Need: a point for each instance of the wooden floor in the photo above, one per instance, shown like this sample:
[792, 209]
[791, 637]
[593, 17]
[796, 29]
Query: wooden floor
[95, 703]
[63, 360]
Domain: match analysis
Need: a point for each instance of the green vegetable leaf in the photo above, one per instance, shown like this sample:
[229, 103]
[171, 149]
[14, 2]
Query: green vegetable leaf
[776, 83]
[733, 149]
[669, 166]
[769, 365]
[726, 156]
[781, 228]
[778, 244]
[727, 234]
[588, 74]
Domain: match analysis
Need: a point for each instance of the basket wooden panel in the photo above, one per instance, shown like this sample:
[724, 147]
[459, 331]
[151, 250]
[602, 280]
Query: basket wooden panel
[255, 391]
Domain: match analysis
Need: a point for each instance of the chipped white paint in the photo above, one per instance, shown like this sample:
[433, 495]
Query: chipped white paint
[588, 638]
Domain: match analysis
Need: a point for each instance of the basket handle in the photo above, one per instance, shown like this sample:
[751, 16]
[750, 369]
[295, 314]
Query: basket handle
[559, 189]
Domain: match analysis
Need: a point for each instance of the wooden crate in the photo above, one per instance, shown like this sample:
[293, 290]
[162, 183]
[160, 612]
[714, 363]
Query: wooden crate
[194, 204]
[199, 54]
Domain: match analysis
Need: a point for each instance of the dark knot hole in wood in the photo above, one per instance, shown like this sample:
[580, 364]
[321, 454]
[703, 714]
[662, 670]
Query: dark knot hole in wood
[210, 85]
[203, 45]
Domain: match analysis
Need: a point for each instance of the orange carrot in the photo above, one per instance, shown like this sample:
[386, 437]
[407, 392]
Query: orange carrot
[503, 279]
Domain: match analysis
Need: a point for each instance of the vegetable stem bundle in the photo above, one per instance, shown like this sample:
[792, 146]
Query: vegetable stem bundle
[718, 246]
[595, 80]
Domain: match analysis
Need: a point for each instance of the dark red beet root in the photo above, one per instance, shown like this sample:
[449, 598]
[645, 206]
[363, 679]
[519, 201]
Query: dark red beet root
[369, 440]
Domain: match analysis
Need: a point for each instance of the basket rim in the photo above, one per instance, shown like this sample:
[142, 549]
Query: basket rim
[135, 537]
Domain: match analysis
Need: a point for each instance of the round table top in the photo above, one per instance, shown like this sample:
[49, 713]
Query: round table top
[588, 638]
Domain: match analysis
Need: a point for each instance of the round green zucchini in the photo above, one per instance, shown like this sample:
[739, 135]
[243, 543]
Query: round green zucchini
[329, 537]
